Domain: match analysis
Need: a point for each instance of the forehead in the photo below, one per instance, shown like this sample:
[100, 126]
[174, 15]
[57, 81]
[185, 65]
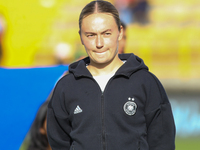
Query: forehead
[98, 21]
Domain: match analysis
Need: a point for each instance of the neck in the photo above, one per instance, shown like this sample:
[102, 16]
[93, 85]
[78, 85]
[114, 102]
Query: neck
[105, 68]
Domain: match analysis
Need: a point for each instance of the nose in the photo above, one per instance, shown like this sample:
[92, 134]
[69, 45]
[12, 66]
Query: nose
[99, 42]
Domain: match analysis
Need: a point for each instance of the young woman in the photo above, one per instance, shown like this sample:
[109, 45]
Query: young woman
[108, 101]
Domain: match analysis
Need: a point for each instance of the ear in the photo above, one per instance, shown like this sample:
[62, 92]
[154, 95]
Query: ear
[80, 37]
[120, 33]
[42, 131]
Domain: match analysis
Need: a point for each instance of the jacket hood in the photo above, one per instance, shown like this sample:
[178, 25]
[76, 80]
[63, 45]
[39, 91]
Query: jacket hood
[132, 64]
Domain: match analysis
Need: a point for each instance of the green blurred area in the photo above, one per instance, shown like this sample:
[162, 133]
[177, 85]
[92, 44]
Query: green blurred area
[181, 144]
[188, 143]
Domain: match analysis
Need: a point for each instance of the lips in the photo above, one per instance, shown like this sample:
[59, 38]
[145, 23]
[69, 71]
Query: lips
[101, 52]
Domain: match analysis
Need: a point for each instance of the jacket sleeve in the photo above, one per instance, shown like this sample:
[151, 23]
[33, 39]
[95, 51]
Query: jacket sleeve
[159, 119]
[58, 125]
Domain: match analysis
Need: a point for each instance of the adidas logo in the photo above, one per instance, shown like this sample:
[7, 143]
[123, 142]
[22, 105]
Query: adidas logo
[77, 110]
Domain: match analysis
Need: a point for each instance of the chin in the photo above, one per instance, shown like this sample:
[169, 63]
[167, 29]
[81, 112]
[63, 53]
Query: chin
[106, 62]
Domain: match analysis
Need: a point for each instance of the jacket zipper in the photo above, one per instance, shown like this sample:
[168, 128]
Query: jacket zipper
[103, 122]
[102, 117]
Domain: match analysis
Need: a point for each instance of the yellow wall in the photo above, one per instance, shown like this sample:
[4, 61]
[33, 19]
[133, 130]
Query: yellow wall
[30, 24]
[169, 45]
[27, 24]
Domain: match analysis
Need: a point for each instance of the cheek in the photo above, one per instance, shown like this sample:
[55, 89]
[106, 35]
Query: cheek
[111, 42]
[89, 44]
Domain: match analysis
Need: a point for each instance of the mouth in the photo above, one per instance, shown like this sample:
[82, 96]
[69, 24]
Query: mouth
[100, 54]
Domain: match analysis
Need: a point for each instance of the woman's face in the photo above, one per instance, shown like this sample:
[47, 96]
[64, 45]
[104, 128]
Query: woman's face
[100, 37]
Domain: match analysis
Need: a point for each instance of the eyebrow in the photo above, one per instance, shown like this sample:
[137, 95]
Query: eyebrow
[101, 32]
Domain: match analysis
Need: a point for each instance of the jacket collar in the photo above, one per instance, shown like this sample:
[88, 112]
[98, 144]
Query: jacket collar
[79, 68]
[133, 63]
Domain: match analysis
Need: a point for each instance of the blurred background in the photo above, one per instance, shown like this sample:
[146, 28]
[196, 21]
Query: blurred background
[39, 38]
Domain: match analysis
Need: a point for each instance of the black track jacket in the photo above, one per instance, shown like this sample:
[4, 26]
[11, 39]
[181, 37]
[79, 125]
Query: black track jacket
[133, 112]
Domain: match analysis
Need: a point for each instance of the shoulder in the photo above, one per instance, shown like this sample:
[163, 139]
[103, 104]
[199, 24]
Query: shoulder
[145, 76]
[66, 79]
[153, 79]
[151, 83]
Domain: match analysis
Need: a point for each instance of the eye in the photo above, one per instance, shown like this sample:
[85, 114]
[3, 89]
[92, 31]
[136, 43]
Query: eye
[107, 34]
[90, 35]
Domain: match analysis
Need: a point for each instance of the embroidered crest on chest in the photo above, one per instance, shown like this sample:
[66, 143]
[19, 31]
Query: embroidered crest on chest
[130, 107]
